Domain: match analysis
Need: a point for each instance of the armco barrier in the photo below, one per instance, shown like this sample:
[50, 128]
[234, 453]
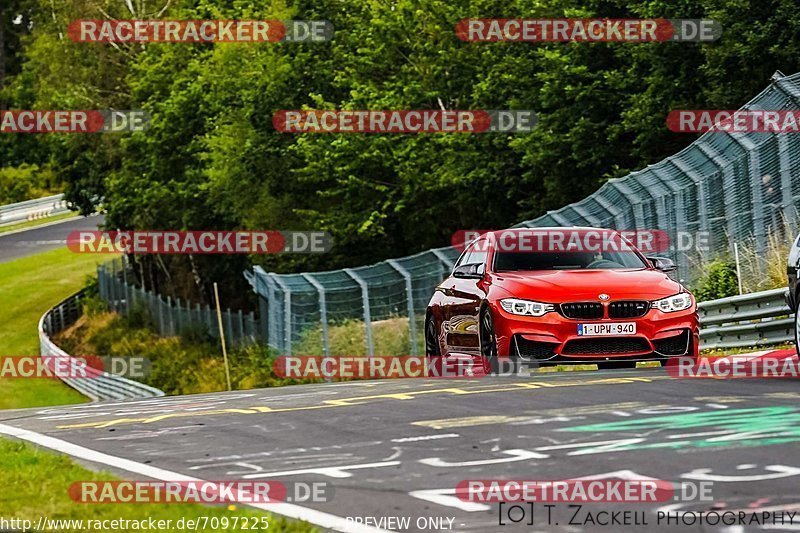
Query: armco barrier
[756, 319]
[97, 385]
[33, 209]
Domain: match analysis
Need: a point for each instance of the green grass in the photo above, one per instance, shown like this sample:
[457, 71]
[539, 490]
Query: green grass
[38, 222]
[28, 288]
[736, 351]
[37, 484]
[37, 481]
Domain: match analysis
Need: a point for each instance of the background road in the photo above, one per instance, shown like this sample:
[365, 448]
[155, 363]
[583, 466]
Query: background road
[398, 448]
[40, 239]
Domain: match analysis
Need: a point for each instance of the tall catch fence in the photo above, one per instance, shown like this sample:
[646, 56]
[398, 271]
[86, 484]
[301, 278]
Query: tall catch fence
[724, 187]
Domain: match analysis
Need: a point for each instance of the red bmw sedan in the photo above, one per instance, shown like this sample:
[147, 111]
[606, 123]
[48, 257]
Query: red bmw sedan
[559, 295]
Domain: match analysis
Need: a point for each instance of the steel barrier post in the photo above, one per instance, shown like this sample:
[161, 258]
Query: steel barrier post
[412, 321]
[365, 301]
[287, 314]
[323, 312]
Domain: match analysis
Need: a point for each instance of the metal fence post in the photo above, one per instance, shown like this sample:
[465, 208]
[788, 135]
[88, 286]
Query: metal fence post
[263, 309]
[287, 314]
[367, 316]
[209, 321]
[787, 202]
[412, 319]
[113, 286]
[323, 312]
[252, 332]
[757, 198]
[101, 289]
[728, 185]
[229, 326]
[178, 318]
[241, 327]
[161, 324]
[170, 316]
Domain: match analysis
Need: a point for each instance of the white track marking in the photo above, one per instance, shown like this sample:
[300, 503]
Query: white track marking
[516, 455]
[427, 437]
[447, 498]
[318, 518]
[330, 471]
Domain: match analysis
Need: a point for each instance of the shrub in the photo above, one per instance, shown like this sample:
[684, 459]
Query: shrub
[719, 281]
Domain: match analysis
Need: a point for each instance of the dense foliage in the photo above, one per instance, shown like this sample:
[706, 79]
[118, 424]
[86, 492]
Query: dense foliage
[212, 159]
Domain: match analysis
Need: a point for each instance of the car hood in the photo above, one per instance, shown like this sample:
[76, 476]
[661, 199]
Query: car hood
[555, 286]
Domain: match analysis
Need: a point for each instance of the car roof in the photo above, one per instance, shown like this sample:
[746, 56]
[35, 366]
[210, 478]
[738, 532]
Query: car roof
[548, 228]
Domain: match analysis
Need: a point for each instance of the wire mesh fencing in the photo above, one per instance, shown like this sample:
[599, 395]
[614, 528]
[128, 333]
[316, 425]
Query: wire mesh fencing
[723, 188]
[380, 307]
[173, 317]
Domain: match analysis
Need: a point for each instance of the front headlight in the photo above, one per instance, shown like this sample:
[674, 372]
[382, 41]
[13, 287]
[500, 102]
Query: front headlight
[678, 302]
[516, 306]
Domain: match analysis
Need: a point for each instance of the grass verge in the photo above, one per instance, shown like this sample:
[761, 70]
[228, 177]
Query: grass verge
[28, 288]
[187, 364]
[37, 481]
[37, 484]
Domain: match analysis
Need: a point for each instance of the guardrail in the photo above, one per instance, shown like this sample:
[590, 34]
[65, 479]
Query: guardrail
[97, 385]
[33, 209]
[756, 319]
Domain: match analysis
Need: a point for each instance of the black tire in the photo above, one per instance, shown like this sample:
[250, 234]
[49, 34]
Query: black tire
[488, 342]
[797, 326]
[432, 348]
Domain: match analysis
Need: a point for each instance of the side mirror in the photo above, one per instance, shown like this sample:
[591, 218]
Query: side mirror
[664, 264]
[474, 271]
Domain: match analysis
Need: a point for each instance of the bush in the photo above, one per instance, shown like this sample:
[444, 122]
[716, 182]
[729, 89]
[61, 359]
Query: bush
[26, 182]
[719, 281]
[188, 364]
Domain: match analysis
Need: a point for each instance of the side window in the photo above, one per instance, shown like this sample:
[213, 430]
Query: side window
[462, 260]
[477, 254]
[478, 257]
[472, 255]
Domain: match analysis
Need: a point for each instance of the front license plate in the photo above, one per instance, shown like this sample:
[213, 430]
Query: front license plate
[610, 328]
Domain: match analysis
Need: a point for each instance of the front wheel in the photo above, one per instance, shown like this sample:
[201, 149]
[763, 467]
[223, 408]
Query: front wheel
[797, 326]
[432, 348]
[488, 343]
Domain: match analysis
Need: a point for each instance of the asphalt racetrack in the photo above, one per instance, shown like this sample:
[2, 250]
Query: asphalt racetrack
[391, 453]
[38, 239]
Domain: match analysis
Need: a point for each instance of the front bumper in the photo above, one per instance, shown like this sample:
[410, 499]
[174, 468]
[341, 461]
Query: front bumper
[554, 337]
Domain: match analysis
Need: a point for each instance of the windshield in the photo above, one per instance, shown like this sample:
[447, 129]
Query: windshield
[514, 261]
